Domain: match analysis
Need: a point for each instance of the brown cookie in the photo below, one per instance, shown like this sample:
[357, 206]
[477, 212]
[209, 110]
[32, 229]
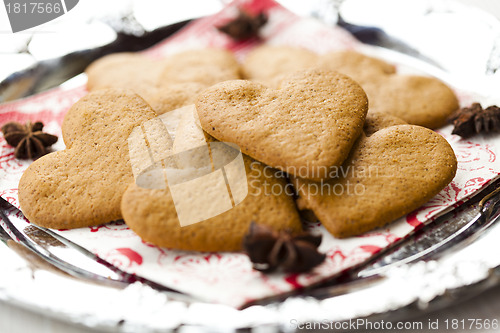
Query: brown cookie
[305, 127]
[151, 214]
[125, 71]
[141, 73]
[194, 193]
[358, 66]
[375, 121]
[165, 84]
[266, 62]
[418, 100]
[170, 97]
[387, 175]
[205, 66]
[83, 184]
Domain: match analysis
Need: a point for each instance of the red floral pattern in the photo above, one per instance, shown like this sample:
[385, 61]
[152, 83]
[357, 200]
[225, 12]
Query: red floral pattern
[123, 258]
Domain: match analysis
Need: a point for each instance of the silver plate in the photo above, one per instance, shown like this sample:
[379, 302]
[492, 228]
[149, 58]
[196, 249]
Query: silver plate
[469, 61]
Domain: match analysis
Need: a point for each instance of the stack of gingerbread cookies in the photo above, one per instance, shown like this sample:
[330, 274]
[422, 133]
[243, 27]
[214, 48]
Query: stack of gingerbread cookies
[350, 135]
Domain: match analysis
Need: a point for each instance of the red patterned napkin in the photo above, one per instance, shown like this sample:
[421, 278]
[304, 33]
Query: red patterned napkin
[228, 278]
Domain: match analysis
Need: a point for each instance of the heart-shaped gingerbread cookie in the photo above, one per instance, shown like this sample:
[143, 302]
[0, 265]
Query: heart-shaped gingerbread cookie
[139, 72]
[152, 214]
[205, 66]
[418, 100]
[266, 62]
[376, 121]
[194, 193]
[166, 84]
[305, 127]
[124, 70]
[388, 175]
[83, 184]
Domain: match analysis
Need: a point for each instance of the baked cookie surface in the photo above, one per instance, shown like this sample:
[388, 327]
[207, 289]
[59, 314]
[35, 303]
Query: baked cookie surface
[266, 62]
[375, 121]
[152, 215]
[418, 100]
[388, 175]
[124, 71]
[205, 66]
[306, 126]
[170, 97]
[168, 83]
[83, 184]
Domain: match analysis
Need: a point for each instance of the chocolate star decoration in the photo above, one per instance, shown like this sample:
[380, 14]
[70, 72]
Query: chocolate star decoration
[270, 250]
[244, 26]
[475, 119]
[28, 139]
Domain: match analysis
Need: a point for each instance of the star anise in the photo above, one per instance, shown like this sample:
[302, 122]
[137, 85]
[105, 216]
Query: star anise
[28, 139]
[244, 26]
[475, 119]
[270, 250]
